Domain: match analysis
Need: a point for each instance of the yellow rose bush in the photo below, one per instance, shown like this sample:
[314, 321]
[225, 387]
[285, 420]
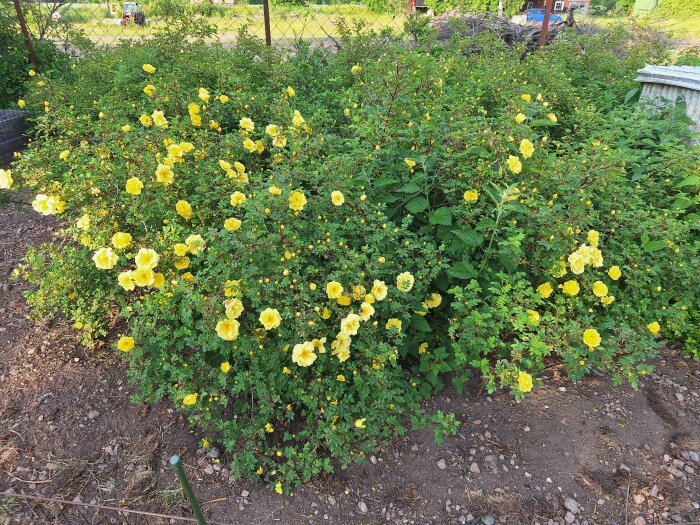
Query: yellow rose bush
[297, 258]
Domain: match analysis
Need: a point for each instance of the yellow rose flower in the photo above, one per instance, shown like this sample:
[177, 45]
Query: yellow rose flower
[180, 249]
[143, 276]
[366, 311]
[405, 281]
[126, 343]
[149, 90]
[164, 174]
[303, 354]
[134, 186]
[234, 308]
[605, 301]
[394, 323]
[275, 190]
[21, 103]
[334, 290]
[291, 92]
[105, 259]
[571, 287]
[249, 145]
[64, 154]
[545, 290]
[184, 209]
[146, 121]
[272, 130]
[526, 97]
[203, 95]
[121, 240]
[190, 399]
[410, 162]
[297, 201]
[552, 117]
[526, 148]
[278, 487]
[615, 273]
[519, 118]
[227, 329]
[195, 244]
[181, 263]
[471, 196]
[225, 367]
[344, 300]
[232, 224]
[270, 318]
[524, 381]
[654, 327]
[223, 99]
[355, 70]
[600, 289]
[433, 301]
[126, 128]
[246, 124]
[533, 316]
[5, 179]
[337, 198]
[350, 324]
[237, 198]
[148, 68]
[297, 119]
[591, 338]
[379, 290]
[158, 280]
[146, 258]
[126, 281]
[514, 164]
[159, 119]
[593, 238]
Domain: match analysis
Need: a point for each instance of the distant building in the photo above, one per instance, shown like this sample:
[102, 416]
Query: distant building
[560, 6]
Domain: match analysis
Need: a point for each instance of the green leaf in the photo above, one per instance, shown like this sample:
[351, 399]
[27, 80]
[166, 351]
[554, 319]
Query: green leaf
[693, 180]
[417, 205]
[542, 122]
[470, 238]
[463, 270]
[420, 324]
[654, 246]
[385, 181]
[441, 216]
[411, 187]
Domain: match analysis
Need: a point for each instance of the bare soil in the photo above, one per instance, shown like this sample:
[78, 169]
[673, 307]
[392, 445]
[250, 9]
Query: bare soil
[68, 430]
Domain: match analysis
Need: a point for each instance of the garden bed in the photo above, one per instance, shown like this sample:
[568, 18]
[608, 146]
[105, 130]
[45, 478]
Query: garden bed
[70, 431]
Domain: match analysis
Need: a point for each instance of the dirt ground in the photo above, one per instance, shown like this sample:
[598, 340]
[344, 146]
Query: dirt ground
[586, 452]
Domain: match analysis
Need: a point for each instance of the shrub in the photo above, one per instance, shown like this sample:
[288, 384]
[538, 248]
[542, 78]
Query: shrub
[518, 210]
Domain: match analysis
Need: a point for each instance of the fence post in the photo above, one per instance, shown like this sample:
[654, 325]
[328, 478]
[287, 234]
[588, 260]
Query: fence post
[25, 32]
[266, 16]
[410, 7]
[548, 7]
[187, 489]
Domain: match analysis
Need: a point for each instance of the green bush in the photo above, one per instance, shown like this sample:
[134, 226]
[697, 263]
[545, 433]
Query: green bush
[520, 209]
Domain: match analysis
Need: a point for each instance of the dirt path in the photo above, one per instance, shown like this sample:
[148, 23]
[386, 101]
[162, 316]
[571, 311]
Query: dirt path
[68, 429]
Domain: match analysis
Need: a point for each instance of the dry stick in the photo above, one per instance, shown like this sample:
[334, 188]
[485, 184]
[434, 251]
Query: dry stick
[26, 480]
[103, 507]
[25, 33]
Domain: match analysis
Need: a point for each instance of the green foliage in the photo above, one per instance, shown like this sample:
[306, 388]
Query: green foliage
[493, 177]
[14, 59]
[677, 8]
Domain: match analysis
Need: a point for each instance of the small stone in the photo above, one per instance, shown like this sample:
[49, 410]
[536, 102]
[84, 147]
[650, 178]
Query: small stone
[571, 505]
[678, 463]
[694, 456]
[245, 493]
[414, 448]
[209, 470]
[331, 500]
[6, 287]
[639, 520]
[638, 499]
[488, 520]
[442, 464]
[362, 506]
[680, 397]
[78, 499]
[93, 414]
[491, 462]
[600, 502]
[569, 517]
[373, 459]
[689, 469]
[474, 468]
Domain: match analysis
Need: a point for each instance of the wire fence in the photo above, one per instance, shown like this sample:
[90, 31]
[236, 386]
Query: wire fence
[110, 22]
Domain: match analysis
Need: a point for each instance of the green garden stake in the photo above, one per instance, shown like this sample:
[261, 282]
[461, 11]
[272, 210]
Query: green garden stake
[196, 510]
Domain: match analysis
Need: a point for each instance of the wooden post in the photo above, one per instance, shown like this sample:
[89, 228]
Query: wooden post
[25, 32]
[266, 16]
[410, 7]
[548, 7]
